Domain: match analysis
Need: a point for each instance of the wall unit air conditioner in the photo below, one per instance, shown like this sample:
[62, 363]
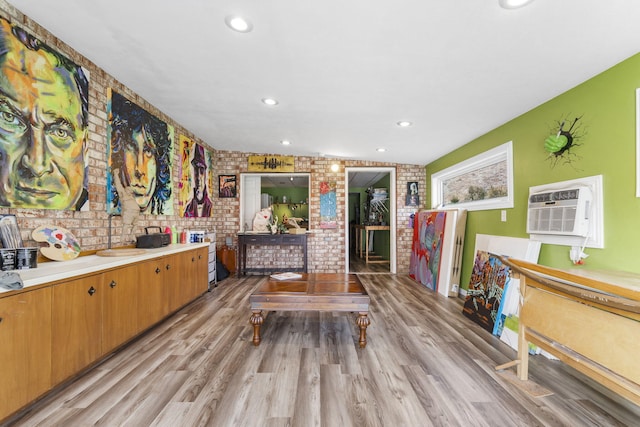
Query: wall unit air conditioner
[560, 212]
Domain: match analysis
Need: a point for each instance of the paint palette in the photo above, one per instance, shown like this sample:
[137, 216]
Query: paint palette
[63, 246]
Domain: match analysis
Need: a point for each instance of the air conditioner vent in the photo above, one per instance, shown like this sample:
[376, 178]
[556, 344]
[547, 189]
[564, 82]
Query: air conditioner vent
[562, 212]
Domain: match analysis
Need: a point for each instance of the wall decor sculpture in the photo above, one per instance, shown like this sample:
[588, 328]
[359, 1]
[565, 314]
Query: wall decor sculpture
[559, 145]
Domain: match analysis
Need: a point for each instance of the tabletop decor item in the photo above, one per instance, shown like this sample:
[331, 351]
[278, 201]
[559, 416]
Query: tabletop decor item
[63, 246]
[9, 232]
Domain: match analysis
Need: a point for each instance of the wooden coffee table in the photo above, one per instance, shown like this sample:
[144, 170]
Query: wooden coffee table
[312, 292]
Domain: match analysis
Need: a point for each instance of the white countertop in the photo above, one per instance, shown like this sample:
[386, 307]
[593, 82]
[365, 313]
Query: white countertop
[61, 270]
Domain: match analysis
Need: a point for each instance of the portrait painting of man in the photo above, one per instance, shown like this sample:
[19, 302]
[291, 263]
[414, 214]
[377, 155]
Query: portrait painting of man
[140, 149]
[196, 179]
[44, 112]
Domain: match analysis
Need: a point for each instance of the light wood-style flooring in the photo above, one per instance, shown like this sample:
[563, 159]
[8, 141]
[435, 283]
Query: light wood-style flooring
[358, 265]
[425, 364]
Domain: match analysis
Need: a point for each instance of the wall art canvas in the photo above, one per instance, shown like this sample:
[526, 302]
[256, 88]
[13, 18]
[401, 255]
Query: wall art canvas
[227, 186]
[42, 89]
[426, 249]
[328, 205]
[413, 198]
[196, 179]
[140, 155]
[486, 287]
[271, 164]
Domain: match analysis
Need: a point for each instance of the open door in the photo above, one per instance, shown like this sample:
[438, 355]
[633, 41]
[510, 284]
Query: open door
[371, 221]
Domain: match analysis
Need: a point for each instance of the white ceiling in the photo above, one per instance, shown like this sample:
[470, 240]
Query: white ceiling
[345, 71]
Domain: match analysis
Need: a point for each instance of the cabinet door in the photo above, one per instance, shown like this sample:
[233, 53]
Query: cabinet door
[120, 303]
[152, 292]
[201, 279]
[25, 348]
[178, 279]
[76, 326]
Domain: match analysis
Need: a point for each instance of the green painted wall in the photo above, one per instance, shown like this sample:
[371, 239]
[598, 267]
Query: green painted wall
[607, 105]
[293, 208]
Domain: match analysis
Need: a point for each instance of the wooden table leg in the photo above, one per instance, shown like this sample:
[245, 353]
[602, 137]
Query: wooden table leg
[366, 246]
[256, 320]
[363, 321]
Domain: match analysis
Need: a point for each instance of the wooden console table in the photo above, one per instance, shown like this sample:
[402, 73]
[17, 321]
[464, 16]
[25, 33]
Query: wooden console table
[367, 228]
[588, 319]
[254, 239]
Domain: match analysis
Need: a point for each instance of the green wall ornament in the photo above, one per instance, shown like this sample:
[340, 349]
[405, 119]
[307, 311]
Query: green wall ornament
[559, 146]
[555, 143]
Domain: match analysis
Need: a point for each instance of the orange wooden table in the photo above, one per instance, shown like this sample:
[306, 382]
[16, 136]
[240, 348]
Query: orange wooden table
[312, 292]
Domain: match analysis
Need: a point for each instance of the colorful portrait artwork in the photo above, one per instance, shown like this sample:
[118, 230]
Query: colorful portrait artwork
[413, 198]
[426, 249]
[227, 186]
[328, 205]
[486, 287]
[140, 156]
[44, 106]
[196, 179]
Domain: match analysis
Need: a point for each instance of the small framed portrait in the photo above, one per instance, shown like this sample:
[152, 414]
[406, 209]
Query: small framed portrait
[413, 198]
[227, 186]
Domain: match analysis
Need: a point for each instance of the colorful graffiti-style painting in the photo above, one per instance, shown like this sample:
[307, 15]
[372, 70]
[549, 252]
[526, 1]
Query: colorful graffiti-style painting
[196, 179]
[140, 155]
[484, 296]
[328, 206]
[426, 250]
[44, 106]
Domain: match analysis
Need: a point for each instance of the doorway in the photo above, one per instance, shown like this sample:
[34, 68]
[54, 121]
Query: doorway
[371, 219]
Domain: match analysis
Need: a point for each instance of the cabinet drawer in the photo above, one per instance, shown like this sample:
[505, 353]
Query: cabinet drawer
[293, 240]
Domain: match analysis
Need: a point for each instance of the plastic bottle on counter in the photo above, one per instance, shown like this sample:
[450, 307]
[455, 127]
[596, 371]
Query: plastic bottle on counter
[167, 230]
[174, 234]
[183, 236]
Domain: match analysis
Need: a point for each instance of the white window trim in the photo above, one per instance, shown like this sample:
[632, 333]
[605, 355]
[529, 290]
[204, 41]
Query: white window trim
[501, 153]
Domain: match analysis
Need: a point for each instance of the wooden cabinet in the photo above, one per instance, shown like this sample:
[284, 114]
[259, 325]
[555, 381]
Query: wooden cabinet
[178, 279]
[25, 348]
[186, 277]
[227, 256]
[49, 334]
[153, 296]
[201, 272]
[76, 326]
[120, 305]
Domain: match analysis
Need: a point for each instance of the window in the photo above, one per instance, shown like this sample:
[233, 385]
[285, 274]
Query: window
[482, 182]
[287, 193]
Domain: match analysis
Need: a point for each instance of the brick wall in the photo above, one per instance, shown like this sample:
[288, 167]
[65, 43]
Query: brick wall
[326, 247]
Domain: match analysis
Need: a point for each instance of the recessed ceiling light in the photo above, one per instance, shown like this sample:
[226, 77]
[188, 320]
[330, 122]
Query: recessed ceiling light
[404, 124]
[285, 142]
[513, 4]
[269, 101]
[381, 150]
[238, 23]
